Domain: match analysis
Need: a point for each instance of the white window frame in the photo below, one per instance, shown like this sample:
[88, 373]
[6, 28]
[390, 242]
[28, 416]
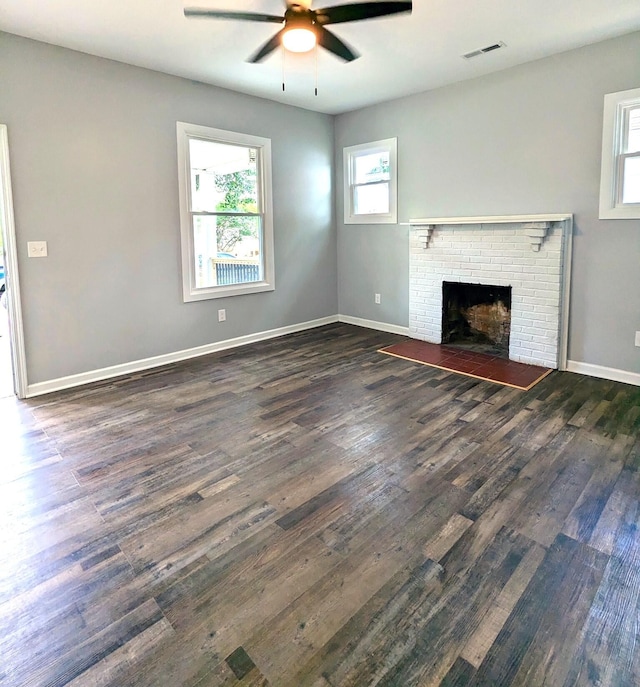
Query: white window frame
[190, 292]
[350, 154]
[614, 130]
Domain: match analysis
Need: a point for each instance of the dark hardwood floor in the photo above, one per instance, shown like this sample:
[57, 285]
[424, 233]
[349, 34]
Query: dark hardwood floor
[308, 512]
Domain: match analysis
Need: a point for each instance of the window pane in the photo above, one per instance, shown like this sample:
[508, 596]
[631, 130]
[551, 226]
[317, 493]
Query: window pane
[223, 177]
[633, 136]
[631, 180]
[227, 250]
[369, 200]
[372, 167]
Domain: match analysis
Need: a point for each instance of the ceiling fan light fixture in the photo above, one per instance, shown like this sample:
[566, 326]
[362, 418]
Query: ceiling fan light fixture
[304, 28]
[299, 40]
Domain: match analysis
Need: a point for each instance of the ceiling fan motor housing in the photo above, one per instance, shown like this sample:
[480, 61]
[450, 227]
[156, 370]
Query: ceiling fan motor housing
[299, 17]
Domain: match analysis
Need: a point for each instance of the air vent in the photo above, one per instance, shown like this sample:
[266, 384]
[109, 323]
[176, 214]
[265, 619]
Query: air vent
[482, 51]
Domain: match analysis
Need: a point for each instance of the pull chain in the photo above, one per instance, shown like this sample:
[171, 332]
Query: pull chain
[316, 57]
[284, 53]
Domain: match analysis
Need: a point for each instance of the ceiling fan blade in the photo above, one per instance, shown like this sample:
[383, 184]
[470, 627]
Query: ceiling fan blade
[267, 48]
[223, 14]
[359, 11]
[333, 44]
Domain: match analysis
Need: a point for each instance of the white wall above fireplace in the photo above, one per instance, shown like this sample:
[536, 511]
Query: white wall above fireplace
[530, 253]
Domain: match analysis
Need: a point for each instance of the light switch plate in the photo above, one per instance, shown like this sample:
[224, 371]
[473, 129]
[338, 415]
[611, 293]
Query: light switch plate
[37, 249]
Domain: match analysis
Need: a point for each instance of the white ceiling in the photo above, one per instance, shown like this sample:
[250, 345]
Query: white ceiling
[399, 55]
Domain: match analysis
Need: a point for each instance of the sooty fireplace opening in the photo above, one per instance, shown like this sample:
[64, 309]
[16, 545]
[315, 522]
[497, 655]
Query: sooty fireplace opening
[477, 316]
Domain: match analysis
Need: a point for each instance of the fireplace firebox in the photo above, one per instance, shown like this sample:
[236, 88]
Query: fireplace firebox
[477, 316]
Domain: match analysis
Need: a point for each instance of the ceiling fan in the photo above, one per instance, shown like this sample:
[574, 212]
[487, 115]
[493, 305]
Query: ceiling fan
[304, 27]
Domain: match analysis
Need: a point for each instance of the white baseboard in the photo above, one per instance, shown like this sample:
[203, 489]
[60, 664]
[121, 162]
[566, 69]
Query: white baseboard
[147, 363]
[157, 361]
[611, 373]
[372, 324]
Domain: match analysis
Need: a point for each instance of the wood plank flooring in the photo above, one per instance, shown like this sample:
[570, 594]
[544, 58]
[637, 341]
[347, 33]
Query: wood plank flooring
[307, 512]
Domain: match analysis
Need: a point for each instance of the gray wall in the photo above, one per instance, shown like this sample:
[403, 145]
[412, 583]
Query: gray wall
[94, 171]
[525, 140]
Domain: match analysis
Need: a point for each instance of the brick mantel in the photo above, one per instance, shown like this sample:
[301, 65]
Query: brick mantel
[530, 253]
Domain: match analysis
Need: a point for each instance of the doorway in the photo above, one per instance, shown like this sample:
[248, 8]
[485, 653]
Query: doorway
[13, 375]
[6, 367]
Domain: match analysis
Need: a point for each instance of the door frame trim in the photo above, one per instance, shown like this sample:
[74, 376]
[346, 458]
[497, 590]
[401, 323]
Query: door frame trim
[12, 280]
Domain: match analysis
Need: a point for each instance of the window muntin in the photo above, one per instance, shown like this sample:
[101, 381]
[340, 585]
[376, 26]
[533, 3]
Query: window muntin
[225, 198]
[370, 183]
[620, 179]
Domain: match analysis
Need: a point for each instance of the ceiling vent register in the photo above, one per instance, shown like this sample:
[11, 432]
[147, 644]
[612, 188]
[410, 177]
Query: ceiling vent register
[485, 50]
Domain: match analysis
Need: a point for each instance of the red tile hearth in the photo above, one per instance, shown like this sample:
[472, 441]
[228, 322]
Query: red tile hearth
[489, 368]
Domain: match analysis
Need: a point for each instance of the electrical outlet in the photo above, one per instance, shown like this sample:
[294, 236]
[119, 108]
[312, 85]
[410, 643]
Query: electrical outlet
[222, 315]
[377, 298]
[37, 249]
[637, 338]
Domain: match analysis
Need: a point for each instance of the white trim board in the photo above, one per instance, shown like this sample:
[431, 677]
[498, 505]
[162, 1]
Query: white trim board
[493, 219]
[372, 324]
[602, 372]
[71, 381]
[157, 361]
[588, 369]
[14, 302]
[61, 383]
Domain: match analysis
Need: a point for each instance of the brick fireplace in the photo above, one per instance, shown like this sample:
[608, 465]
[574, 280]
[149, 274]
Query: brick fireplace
[529, 253]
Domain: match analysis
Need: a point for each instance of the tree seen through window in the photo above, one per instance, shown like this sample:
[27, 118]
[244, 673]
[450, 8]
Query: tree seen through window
[239, 196]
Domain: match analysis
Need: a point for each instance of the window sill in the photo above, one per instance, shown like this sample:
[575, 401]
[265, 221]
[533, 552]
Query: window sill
[371, 219]
[215, 292]
[629, 212]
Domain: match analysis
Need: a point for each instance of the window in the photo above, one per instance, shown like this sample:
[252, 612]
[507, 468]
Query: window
[225, 212]
[370, 195]
[620, 180]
